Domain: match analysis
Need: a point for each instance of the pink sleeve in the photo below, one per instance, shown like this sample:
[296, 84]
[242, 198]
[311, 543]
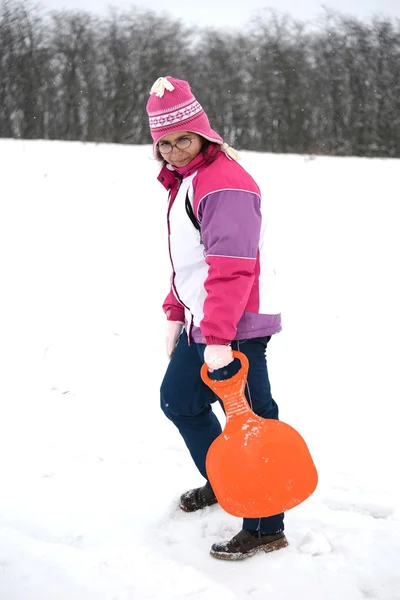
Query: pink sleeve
[228, 288]
[173, 308]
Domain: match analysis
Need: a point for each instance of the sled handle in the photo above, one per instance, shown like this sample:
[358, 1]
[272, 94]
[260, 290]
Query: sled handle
[234, 384]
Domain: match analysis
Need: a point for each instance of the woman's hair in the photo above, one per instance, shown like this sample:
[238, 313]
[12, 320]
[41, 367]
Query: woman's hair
[208, 149]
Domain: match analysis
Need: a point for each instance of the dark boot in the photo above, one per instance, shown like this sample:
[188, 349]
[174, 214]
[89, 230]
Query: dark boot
[246, 543]
[196, 499]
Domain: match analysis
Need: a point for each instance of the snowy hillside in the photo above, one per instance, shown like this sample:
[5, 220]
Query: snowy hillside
[91, 471]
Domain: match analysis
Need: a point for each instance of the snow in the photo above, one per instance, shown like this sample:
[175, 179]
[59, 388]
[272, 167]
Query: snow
[90, 469]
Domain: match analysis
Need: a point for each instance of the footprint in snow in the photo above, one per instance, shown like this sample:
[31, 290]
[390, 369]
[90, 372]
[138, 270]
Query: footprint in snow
[376, 510]
[315, 543]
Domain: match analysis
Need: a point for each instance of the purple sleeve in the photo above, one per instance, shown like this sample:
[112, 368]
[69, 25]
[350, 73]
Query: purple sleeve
[231, 223]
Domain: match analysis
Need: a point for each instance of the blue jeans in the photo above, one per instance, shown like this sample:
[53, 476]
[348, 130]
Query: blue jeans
[187, 401]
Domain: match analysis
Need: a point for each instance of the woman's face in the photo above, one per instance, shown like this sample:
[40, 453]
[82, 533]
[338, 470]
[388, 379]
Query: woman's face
[180, 148]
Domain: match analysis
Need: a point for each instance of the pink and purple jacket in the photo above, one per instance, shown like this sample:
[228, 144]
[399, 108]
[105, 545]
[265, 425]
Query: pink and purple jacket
[221, 284]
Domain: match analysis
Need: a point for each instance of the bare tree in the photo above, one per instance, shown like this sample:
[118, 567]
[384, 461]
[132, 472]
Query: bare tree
[281, 86]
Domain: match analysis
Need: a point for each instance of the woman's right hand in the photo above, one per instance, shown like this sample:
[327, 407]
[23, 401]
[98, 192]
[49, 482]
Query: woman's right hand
[174, 330]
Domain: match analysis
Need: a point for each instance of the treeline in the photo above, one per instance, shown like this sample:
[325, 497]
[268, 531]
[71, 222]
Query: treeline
[278, 85]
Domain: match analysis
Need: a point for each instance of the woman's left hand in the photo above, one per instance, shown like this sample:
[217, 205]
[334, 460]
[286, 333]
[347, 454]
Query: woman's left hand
[217, 357]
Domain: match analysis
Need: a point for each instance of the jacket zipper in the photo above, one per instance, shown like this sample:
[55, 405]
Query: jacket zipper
[172, 264]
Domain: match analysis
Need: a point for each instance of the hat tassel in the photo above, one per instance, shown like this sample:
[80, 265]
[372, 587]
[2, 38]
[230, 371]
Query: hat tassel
[230, 152]
[160, 85]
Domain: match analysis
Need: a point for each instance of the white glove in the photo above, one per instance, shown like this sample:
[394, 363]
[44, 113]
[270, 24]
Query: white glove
[217, 357]
[174, 330]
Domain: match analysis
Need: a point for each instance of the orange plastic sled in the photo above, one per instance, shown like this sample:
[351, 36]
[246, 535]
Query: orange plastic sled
[257, 467]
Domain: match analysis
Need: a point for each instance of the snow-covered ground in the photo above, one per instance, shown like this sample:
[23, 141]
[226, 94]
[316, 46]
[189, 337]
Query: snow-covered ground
[91, 471]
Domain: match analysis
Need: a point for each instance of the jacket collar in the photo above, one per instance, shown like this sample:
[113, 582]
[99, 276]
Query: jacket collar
[168, 174]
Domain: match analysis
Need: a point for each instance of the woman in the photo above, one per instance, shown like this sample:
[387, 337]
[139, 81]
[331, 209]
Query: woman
[222, 295]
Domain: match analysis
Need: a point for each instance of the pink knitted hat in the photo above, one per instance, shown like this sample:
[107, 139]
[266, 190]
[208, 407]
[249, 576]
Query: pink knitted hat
[172, 107]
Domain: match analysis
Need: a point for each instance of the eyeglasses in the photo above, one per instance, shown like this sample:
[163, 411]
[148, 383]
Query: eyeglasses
[181, 144]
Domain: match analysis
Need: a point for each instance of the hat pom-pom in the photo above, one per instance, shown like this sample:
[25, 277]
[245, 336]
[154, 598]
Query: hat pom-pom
[160, 85]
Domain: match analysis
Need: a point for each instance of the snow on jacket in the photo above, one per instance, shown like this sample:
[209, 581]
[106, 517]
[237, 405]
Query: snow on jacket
[221, 284]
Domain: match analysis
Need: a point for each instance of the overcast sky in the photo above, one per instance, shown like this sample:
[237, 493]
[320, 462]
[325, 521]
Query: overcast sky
[235, 13]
